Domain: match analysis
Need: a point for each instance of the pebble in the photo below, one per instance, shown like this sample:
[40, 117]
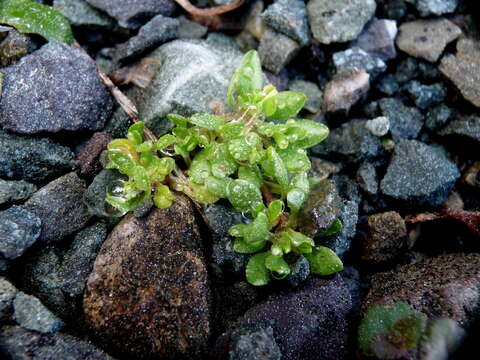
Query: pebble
[276, 50]
[7, 295]
[360, 59]
[379, 126]
[378, 38]
[435, 7]
[367, 178]
[426, 96]
[466, 128]
[345, 89]
[11, 191]
[80, 13]
[405, 122]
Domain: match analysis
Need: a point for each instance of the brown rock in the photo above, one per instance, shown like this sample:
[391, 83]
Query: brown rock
[148, 294]
[463, 69]
[345, 89]
[386, 237]
[88, 158]
[427, 38]
[447, 286]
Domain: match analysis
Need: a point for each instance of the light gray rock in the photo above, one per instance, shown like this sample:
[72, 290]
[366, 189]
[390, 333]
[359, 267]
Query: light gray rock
[358, 58]
[378, 126]
[80, 13]
[435, 7]
[7, 295]
[15, 190]
[367, 178]
[314, 95]
[276, 50]
[378, 38]
[188, 29]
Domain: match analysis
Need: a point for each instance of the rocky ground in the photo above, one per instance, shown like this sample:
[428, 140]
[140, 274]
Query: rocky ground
[397, 82]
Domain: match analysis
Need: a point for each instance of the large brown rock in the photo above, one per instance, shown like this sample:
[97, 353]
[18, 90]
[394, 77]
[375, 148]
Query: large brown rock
[148, 294]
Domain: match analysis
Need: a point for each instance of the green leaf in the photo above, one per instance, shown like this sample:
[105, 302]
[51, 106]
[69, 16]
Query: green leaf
[324, 261]
[122, 162]
[269, 102]
[145, 146]
[295, 198]
[223, 164]
[301, 181]
[33, 18]
[165, 141]
[179, 120]
[231, 130]
[251, 174]
[207, 121]
[289, 104]
[217, 186]
[140, 177]
[277, 265]
[201, 194]
[135, 133]
[279, 169]
[295, 160]
[256, 272]
[247, 78]
[243, 247]
[257, 231]
[238, 230]
[275, 209]
[163, 197]
[315, 133]
[336, 227]
[243, 195]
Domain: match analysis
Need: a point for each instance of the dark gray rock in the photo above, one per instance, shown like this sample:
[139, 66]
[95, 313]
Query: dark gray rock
[276, 50]
[300, 272]
[350, 142]
[467, 127]
[367, 178]
[11, 191]
[154, 33]
[378, 38]
[59, 205]
[31, 314]
[378, 126]
[387, 85]
[405, 122]
[254, 343]
[419, 174]
[435, 7]
[33, 159]
[7, 295]
[188, 29]
[358, 58]
[133, 14]
[117, 126]
[14, 46]
[19, 229]
[89, 158]
[17, 343]
[339, 20]
[314, 95]
[438, 117]
[407, 70]
[347, 188]
[426, 96]
[290, 18]
[55, 88]
[395, 9]
[80, 13]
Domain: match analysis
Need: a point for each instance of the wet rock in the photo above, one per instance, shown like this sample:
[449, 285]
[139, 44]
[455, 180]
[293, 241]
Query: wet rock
[7, 295]
[14, 46]
[438, 117]
[350, 142]
[367, 178]
[378, 38]
[347, 188]
[435, 7]
[446, 286]
[190, 29]
[254, 343]
[386, 238]
[379, 126]
[387, 85]
[358, 58]
[80, 13]
[426, 96]
[467, 128]
[148, 293]
[308, 323]
[77, 263]
[405, 122]
[17, 343]
[31, 314]
[89, 157]
[426, 39]
[276, 50]
[11, 191]
[321, 209]
[59, 205]
[19, 229]
[339, 21]
[300, 272]
[55, 88]
[314, 95]
[322, 169]
[345, 89]
[154, 33]
[32, 159]
[419, 174]
[134, 16]
[463, 69]
[290, 18]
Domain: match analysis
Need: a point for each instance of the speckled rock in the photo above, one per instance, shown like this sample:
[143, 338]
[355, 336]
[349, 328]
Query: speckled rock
[367, 178]
[7, 295]
[419, 174]
[188, 29]
[59, 205]
[378, 126]
[435, 7]
[360, 59]
[148, 293]
[345, 89]
[426, 39]
[15, 191]
[437, 117]
[405, 122]
[387, 84]
[89, 158]
[55, 88]
[314, 95]
[300, 272]
[378, 38]
[447, 285]
[426, 96]
[276, 50]
[254, 343]
[80, 13]
[339, 20]
[466, 128]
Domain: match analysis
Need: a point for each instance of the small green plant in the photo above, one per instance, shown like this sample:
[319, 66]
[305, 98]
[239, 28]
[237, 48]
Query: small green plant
[254, 157]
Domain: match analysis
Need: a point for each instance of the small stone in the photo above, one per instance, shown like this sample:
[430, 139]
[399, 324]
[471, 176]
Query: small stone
[134, 15]
[386, 238]
[89, 157]
[438, 117]
[59, 205]
[395, 9]
[14, 47]
[407, 70]
[347, 188]
[190, 29]
[322, 169]
[254, 343]
[419, 174]
[31, 314]
[405, 122]
[290, 18]
[435, 7]
[314, 95]
[467, 127]
[300, 272]
[345, 89]
[7, 295]
[427, 38]
[378, 38]
[443, 337]
[387, 85]
[358, 58]
[426, 96]
[339, 20]
[19, 229]
[367, 178]
[154, 33]
[80, 13]
[379, 126]
[11, 191]
[276, 50]
[463, 69]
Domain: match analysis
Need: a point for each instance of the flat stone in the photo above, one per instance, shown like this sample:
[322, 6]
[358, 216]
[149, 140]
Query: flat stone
[426, 96]
[314, 94]
[276, 50]
[19, 229]
[339, 20]
[148, 293]
[435, 7]
[360, 59]
[89, 158]
[80, 13]
[345, 89]
[446, 286]
[405, 122]
[11, 191]
[188, 29]
[463, 69]
[367, 178]
[7, 295]
[419, 174]
[59, 205]
[378, 38]
[426, 39]
[131, 14]
[378, 126]
[290, 18]
[53, 89]
[467, 127]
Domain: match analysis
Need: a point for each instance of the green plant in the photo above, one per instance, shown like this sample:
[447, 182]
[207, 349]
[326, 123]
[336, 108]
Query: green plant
[260, 166]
